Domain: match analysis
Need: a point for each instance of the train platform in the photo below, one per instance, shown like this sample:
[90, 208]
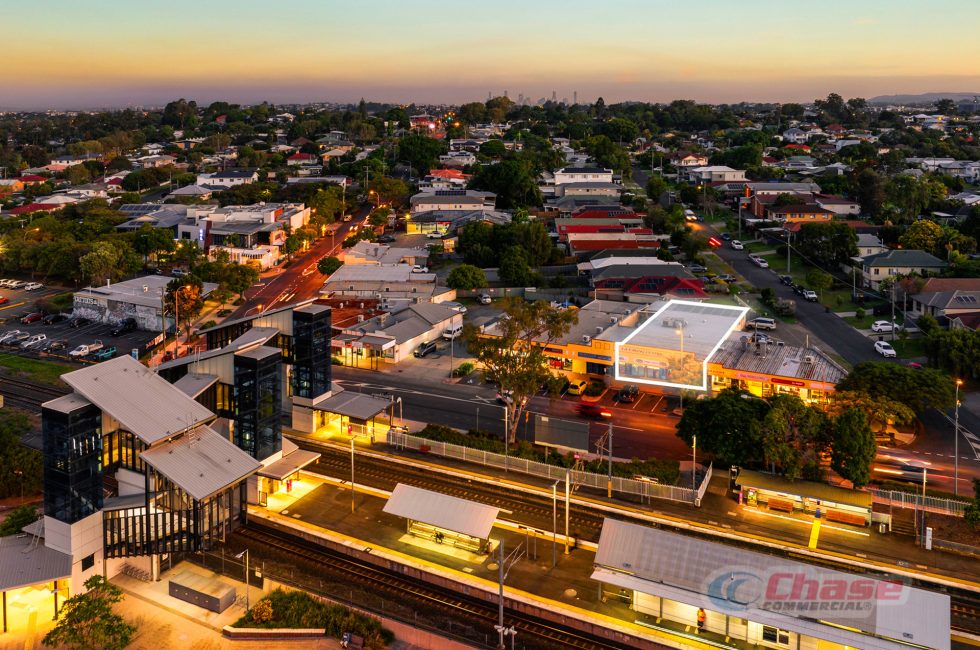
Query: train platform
[722, 516]
[539, 567]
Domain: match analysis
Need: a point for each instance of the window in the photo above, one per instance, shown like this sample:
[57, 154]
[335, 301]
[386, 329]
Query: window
[88, 562]
[775, 635]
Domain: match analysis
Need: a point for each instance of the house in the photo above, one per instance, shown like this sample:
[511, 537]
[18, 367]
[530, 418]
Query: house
[458, 159]
[450, 221]
[617, 281]
[30, 180]
[229, 178]
[712, 174]
[301, 159]
[802, 212]
[952, 298]
[407, 325]
[876, 268]
[583, 175]
[682, 159]
[453, 200]
[393, 284]
[598, 189]
[868, 244]
[837, 204]
[366, 252]
[192, 192]
[10, 185]
[152, 162]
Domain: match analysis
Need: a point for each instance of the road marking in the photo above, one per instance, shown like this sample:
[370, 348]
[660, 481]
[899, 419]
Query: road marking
[12, 305]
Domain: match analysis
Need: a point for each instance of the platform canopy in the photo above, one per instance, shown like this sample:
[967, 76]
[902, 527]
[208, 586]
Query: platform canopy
[293, 459]
[357, 406]
[441, 510]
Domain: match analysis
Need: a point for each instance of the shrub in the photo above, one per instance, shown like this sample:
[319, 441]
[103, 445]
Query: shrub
[336, 361]
[859, 313]
[768, 296]
[463, 369]
[208, 324]
[262, 612]
[594, 389]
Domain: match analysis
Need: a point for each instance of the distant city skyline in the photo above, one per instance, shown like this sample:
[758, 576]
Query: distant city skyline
[62, 54]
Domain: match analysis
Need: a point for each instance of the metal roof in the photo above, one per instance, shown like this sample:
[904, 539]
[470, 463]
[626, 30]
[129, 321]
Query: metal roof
[441, 510]
[193, 383]
[810, 489]
[289, 463]
[25, 561]
[704, 326]
[809, 364]
[357, 406]
[201, 462]
[736, 581]
[143, 402]
[66, 403]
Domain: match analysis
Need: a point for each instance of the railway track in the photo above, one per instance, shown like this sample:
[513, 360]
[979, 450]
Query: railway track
[434, 602]
[27, 395]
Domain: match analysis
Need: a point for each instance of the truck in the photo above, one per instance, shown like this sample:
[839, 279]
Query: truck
[86, 349]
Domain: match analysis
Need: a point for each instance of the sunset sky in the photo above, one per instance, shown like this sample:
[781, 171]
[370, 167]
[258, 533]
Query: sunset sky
[108, 53]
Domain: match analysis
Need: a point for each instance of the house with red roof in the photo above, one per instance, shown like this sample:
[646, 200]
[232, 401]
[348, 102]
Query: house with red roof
[301, 159]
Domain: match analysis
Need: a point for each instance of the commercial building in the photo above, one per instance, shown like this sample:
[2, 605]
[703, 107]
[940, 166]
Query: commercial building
[745, 597]
[139, 298]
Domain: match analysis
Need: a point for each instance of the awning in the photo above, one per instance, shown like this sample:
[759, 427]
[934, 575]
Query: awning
[356, 406]
[441, 510]
[829, 494]
[290, 464]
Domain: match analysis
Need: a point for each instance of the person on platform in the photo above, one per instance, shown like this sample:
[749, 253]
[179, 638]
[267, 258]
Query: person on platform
[701, 617]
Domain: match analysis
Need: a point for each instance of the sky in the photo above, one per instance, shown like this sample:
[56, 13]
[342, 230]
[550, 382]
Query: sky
[112, 53]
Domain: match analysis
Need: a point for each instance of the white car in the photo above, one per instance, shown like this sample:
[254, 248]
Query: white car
[761, 263]
[885, 349]
[9, 335]
[810, 295]
[434, 235]
[485, 299]
[418, 268]
[737, 245]
[882, 326]
[16, 284]
[455, 306]
[33, 286]
[33, 341]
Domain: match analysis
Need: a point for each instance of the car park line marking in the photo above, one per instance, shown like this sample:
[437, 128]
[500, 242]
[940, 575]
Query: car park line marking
[12, 305]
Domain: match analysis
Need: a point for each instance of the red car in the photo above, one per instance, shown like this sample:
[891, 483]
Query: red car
[4, 299]
[587, 410]
[32, 318]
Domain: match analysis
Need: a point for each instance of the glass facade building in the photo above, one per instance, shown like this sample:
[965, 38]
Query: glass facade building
[311, 351]
[258, 401]
[71, 432]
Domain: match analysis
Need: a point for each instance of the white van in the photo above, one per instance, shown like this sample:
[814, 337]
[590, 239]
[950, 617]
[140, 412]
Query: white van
[452, 332]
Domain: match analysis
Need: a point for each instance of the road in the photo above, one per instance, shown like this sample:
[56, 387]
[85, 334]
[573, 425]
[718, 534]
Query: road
[300, 280]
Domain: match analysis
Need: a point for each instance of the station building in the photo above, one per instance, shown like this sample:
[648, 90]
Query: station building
[139, 298]
[744, 597]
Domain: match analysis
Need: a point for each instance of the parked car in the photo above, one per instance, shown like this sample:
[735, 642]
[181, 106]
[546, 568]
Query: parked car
[505, 397]
[452, 332]
[762, 323]
[33, 341]
[16, 284]
[4, 300]
[883, 326]
[484, 299]
[78, 321]
[811, 295]
[15, 340]
[455, 306]
[760, 338]
[728, 277]
[885, 349]
[787, 280]
[86, 349]
[348, 217]
[32, 317]
[424, 348]
[177, 273]
[58, 345]
[5, 282]
[418, 268]
[760, 262]
[577, 386]
[737, 245]
[589, 410]
[125, 326]
[51, 319]
[104, 354]
[628, 394]
[434, 235]
[726, 236]
[697, 268]
[798, 289]
[385, 239]
[8, 335]
[33, 286]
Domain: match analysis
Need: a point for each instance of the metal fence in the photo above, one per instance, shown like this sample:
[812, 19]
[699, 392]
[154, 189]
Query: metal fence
[915, 501]
[649, 489]
[704, 484]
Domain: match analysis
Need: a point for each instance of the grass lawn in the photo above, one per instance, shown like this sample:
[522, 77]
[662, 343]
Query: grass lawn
[757, 246]
[910, 347]
[862, 323]
[45, 372]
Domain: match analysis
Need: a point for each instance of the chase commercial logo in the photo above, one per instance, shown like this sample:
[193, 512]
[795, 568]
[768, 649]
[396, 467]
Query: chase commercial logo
[789, 589]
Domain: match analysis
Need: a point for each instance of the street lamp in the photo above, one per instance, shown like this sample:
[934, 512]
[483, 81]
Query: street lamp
[238, 557]
[956, 441]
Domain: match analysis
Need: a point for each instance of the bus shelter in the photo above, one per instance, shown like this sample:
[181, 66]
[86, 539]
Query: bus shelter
[442, 518]
[836, 503]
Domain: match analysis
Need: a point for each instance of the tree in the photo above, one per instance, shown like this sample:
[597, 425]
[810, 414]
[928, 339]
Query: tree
[291, 245]
[946, 106]
[185, 299]
[827, 244]
[99, 264]
[239, 278]
[819, 280]
[379, 217]
[881, 411]
[467, 277]
[17, 518]
[972, 513]
[656, 187]
[511, 181]
[923, 235]
[514, 268]
[870, 190]
[793, 435]
[148, 241]
[493, 149]
[421, 152]
[727, 426]
[920, 390]
[854, 447]
[512, 353]
[86, 621]
[20, 466]
[328, 265]
[608, 154]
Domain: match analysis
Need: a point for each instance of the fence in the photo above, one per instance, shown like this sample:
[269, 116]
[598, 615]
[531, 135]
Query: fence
[913, 500]
[642, 488]
[704, 484]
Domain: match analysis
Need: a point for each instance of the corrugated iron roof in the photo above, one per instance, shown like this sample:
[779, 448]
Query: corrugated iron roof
[144, 403]
[25, 561]
[201, 462]
[441, 510]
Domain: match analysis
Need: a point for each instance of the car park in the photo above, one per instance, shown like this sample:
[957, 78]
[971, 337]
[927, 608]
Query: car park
[737, 245]
[32, 286]
[762, 323]
[811, 295]
[125, 326]
[787, 280]
[577, 386]
[33, 317]
[589, 410]
[51, 319]
[883, 326]
[885, 349]
[628, 394]
[485, 299]
[424, 349]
